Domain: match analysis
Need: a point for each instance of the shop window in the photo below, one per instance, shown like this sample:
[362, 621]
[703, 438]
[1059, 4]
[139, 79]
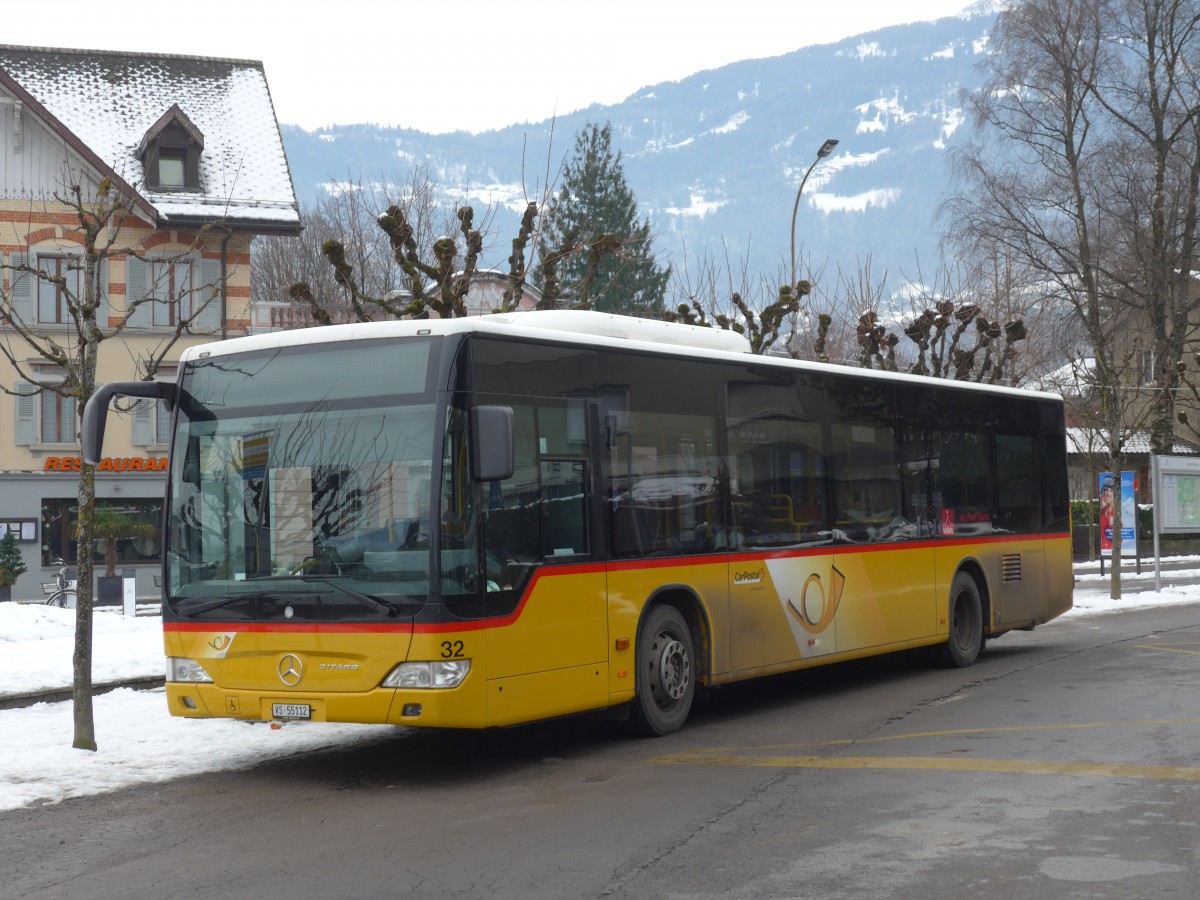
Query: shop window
[60, 518]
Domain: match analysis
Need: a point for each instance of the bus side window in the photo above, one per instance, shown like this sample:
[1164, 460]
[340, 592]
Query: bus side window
[1019, 508]
[663, 477]
[866, 482]
[776, 434]
[864, 464]
[1055, 496]
[962, 484]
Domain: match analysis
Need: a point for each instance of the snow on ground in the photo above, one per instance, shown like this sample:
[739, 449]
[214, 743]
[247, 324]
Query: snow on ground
[139, 742]
[37, 642]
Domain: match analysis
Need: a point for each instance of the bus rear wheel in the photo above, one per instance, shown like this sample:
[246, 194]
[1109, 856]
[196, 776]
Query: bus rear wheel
[665, 673]
[966, 626]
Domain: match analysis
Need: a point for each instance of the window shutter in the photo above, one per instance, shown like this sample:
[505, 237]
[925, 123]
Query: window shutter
[22, 288]
[143, 423]
[26, 413]
[137, 285]
[209, 320]
[102, 310]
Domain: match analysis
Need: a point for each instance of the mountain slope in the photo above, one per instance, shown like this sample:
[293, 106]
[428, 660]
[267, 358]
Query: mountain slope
[715, 159]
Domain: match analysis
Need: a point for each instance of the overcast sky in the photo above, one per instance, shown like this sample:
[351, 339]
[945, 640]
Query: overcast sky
[470, 64]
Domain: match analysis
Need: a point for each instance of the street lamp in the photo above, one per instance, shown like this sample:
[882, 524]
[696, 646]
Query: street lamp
[824, 151]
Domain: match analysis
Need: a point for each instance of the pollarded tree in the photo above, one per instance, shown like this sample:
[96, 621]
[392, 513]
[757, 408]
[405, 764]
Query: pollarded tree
[348, 218]
[435, 249]
[764, 311]
[600, 252]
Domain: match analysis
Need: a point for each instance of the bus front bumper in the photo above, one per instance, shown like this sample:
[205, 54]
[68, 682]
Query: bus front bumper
[460, 707]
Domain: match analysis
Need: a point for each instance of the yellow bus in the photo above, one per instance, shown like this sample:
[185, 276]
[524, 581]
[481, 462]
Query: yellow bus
[480, 522]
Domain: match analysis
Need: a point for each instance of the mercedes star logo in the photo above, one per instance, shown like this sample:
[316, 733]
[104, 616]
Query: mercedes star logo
[291, 670]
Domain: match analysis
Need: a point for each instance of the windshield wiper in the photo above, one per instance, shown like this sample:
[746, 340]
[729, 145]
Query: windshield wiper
[376, 603]
[226, 601]
[369, 599]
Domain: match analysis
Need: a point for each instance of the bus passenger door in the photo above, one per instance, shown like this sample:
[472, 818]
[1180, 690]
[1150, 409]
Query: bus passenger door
[548, 656]
[783, 593]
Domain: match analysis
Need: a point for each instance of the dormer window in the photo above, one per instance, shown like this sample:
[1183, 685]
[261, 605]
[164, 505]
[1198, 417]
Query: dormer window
[170, 153]
[171, 167]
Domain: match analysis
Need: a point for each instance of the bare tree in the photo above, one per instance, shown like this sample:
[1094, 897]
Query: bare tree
[65, 362]
[706, 291]
[348, 218]
[1092, 185]
[436, 266]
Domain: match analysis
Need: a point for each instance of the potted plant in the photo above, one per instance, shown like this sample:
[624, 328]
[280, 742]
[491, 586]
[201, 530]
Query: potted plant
[12, 565]
[110, 525]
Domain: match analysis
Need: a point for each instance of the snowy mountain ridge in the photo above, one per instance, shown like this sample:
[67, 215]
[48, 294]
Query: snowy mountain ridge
[715, 159]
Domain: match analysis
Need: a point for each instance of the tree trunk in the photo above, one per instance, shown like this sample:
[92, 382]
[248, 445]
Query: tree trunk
[87, 355]
[81, 694]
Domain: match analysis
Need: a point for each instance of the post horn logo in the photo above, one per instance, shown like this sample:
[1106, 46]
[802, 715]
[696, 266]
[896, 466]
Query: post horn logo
[291, 670]
[816, 610]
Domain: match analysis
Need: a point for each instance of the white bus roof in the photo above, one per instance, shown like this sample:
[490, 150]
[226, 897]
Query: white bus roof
[585, 327]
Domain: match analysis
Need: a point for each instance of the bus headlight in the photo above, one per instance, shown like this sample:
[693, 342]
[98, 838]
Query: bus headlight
[439, 674]
[182, 669]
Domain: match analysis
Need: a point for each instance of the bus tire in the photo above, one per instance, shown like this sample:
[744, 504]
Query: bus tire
[965, 641]
[666, 673]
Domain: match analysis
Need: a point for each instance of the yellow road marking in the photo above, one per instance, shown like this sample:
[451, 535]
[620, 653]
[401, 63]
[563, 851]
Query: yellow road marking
[933, 763]
[760, 757]
[1167, 648]
[998, 729]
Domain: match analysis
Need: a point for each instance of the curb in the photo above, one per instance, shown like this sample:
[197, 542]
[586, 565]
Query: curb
[57, 695]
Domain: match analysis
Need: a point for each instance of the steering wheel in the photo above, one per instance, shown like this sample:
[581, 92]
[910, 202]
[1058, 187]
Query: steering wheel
[418, 540]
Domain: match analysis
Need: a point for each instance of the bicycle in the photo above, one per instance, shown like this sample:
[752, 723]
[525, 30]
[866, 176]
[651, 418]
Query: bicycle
[61, 592]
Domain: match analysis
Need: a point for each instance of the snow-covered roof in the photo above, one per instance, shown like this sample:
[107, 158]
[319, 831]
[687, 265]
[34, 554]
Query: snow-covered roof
[1072, 379]
[1085, 440]
[108, 101]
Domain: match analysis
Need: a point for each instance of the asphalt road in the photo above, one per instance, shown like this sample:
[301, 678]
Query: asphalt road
[1065, 763]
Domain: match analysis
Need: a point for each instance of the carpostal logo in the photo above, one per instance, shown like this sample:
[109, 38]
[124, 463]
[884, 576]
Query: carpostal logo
[755, 576]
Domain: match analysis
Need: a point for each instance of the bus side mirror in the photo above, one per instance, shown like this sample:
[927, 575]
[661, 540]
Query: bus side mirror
[95, 411]
[492, 454]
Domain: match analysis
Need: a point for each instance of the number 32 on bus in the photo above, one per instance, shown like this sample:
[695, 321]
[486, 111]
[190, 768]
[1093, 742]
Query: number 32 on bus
[478, 522]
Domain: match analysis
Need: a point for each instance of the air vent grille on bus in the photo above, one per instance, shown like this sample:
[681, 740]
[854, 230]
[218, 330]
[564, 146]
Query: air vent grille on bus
[1010, 567]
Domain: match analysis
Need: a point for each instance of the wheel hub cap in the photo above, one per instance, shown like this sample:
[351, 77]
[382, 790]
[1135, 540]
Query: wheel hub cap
[674, 669]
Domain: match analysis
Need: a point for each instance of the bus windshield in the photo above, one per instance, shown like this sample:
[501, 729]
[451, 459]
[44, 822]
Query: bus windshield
[299, 492]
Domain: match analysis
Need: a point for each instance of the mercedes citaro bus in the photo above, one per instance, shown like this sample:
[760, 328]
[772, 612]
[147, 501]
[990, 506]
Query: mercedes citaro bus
[478, 522]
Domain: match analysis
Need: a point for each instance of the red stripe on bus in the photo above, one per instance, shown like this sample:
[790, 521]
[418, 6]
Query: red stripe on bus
[562, 571]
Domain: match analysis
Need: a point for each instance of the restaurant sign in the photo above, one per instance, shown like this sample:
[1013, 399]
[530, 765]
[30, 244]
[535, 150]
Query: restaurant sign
[108, 464]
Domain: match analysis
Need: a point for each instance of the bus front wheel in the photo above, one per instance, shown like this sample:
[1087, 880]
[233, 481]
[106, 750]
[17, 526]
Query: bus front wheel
[966, 626]
[666, 680]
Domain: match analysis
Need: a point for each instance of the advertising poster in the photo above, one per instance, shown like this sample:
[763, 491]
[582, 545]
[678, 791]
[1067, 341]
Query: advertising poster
[1179, 497]
[1108, 497]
